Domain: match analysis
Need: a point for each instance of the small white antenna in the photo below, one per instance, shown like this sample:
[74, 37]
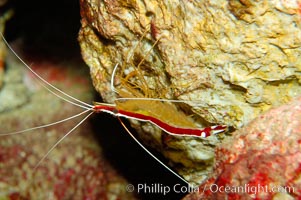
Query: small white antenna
[45, 125]
[84, 104]
[112, 79]
[60, 140]
[152, 155]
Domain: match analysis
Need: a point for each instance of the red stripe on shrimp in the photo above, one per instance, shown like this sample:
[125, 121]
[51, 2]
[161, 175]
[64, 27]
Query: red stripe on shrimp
[173, 130]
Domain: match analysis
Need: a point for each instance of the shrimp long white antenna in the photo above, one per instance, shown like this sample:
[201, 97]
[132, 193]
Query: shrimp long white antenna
[112, 79]
[84, 104]
[88, 107]
[45, 125]
[157, 99]
[60, 140]
[152, 155]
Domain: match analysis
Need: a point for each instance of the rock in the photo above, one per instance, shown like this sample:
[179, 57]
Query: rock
[231, 60]
[264, 158]
[3, 18]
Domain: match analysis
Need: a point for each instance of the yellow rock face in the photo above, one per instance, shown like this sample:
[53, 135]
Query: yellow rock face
[232, 59]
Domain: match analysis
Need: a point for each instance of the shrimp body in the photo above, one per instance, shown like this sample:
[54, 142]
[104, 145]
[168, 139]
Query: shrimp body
[153, 111]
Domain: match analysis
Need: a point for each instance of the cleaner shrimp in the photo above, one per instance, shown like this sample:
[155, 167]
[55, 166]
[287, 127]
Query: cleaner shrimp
[131, 105]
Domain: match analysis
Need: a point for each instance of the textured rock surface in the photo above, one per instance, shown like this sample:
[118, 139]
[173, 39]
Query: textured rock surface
[2, 55]
[76, 169]
[3, 18]
[233, 59]
[266, 152]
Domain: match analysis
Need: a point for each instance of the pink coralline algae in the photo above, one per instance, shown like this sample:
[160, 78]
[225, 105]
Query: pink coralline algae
[260, 161]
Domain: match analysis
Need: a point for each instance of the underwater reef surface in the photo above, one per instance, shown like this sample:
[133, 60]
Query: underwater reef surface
[76, 168]
[230, 60]
[260, 161]
[3, 18]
